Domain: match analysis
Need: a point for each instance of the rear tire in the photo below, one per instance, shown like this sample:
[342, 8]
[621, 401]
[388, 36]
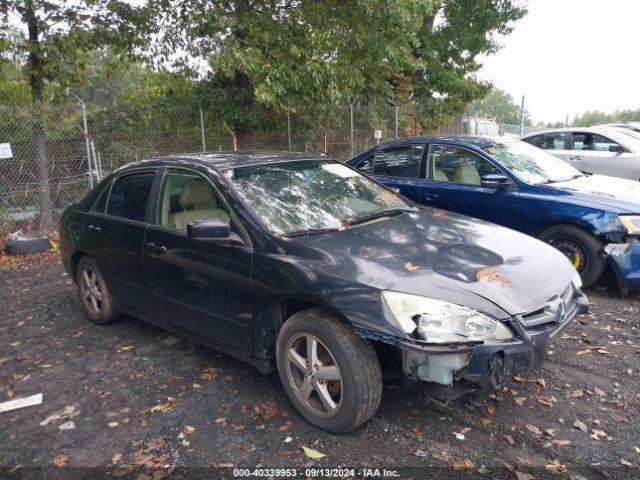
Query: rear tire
[94, 294]
[581, 248]
[341, 386]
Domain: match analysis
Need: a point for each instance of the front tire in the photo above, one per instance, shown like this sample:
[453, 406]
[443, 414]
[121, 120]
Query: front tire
[331, 375]
[582, 249]
[94, 294]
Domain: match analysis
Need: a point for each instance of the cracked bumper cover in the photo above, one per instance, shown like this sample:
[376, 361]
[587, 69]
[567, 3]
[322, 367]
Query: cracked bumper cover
[489, 361]
[624, 260]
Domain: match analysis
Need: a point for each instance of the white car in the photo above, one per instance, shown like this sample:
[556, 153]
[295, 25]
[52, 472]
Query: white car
[603, 150]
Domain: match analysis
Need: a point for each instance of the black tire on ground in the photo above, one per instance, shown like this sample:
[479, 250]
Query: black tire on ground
[360, 383]
[25, 244]
[91, 285]
[581, 248]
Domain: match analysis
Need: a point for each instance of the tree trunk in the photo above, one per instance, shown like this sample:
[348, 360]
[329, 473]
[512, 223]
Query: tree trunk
[37, 89]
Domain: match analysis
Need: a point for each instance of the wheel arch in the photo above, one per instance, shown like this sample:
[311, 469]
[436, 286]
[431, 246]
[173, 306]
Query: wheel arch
[278, 311]
[75, 260]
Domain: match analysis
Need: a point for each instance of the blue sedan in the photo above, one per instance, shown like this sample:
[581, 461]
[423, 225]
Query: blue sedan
[594, 220]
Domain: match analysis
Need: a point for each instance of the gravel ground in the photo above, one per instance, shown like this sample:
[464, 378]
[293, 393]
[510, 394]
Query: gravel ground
[131, 398]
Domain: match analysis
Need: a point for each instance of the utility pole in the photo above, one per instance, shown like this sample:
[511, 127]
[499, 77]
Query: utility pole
[86, 138]
[522, 117]
[204, 143]
[351, 111]
[289, 130]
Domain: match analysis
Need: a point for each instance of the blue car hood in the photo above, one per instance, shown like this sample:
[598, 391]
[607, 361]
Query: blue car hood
[616, 193]
[449, 257]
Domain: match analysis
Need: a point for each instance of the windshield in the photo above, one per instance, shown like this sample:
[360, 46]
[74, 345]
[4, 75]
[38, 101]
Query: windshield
[530, 163]
[309, 195]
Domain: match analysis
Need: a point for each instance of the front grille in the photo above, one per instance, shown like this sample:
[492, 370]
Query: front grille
[556, 310]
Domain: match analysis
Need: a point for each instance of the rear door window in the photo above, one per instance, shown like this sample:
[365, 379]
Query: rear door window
[548, 141]
[399, 162]
[130, 195]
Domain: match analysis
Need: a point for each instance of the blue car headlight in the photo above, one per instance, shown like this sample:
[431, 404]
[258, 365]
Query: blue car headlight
[437, 321]
[631, 223]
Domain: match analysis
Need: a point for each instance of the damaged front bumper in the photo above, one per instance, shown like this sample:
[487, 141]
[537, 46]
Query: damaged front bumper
[489, 364]
[624, 260]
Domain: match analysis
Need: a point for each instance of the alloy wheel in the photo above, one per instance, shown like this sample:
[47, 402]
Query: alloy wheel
[314, 375]
[91, 292]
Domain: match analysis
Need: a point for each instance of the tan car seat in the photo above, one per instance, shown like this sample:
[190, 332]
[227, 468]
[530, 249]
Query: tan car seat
[440, 176]
[196, 199]
[467, 174]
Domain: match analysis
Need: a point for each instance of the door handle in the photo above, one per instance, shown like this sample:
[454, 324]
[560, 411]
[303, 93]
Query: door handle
[159, 249]
[94, 228]
[575, 157]
[430, 196]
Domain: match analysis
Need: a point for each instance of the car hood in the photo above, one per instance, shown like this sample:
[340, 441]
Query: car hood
[447, 256]
[617, 193]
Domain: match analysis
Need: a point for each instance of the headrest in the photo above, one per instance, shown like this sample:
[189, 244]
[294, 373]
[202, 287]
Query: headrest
[195, 192]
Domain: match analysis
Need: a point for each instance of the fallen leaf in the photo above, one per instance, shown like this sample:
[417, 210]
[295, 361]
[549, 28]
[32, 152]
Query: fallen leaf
[580, 425]
[518, 378]
[185, 442]
[555, 467]
[59, 461]
[311, 453]
[561, 442]
[113, 424]
[533, 429]
[189, 429]
[510, 439]
[116, 458]
[524, 476]
[410, 267]
[197, 386]
[598, 434]
[520, 400]
[464, 464]
[626, 463]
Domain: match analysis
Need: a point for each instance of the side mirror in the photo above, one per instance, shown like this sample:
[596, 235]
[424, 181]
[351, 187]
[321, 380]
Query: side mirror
[616, 149]
[495, 181]
[214, 229]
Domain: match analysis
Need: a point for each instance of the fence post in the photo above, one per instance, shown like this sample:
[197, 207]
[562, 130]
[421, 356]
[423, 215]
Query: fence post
[86, 138]
[204, 143]
[351, 112]
[288, 130]
[396, 113]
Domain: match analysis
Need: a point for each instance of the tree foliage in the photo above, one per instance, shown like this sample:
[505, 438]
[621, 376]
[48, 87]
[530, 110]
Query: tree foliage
[501, 106]
[296, 54]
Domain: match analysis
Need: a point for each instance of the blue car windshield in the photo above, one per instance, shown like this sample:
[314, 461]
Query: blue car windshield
[311, 195]
[531, 164]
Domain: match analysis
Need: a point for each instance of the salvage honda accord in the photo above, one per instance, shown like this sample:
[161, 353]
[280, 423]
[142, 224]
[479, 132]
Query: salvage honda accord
[304, 265]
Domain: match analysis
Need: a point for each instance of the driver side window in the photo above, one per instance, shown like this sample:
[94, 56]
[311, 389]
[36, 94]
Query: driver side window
[456, 165]
[187, 197]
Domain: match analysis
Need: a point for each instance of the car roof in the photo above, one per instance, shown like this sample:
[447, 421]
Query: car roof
[227, 159]
[461, 140]
[591, 129]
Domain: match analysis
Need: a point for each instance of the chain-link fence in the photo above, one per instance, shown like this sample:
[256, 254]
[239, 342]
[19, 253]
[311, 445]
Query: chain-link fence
[59, 151]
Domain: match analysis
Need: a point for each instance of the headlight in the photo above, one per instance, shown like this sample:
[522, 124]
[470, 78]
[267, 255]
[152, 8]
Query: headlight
[631, 223]
[443, 322]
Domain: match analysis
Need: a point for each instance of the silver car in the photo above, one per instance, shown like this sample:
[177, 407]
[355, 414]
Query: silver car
[603, 150]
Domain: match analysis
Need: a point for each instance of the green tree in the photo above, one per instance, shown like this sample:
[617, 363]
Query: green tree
[501, 106]
[450, 41]
[58, 37]
[290, 54]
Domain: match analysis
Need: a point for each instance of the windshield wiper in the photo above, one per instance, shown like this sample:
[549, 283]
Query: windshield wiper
[309, 231]
[379, 214]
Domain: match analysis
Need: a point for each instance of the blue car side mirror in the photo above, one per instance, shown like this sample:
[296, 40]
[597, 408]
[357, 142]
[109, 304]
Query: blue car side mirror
[495, 181]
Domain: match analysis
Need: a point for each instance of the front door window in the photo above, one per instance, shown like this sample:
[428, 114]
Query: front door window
[188, 197]
[456, 165]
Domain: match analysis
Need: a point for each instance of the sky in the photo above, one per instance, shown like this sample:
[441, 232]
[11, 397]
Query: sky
[571, 56]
